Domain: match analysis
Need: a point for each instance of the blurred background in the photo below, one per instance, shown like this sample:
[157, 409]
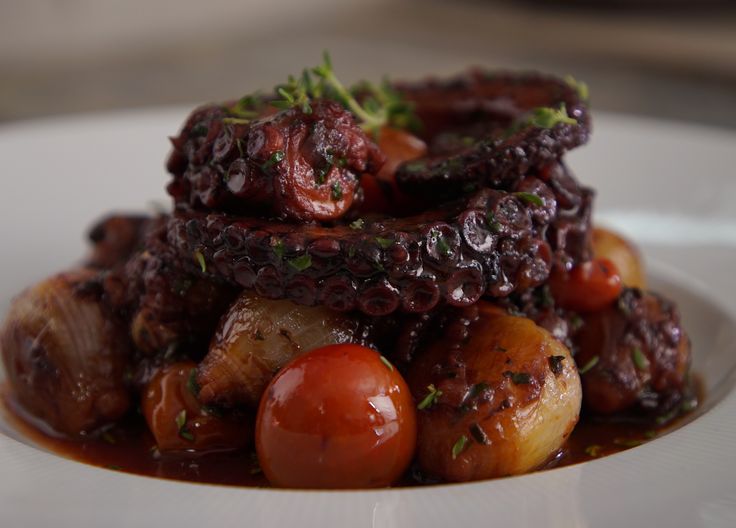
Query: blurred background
[674, 59]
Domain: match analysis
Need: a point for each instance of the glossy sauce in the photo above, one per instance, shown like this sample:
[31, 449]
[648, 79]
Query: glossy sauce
[130, 447]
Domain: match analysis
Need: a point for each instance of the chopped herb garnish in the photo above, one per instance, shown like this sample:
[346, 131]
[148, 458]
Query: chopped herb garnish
[239, 143]
[378, 106]
[555, 364]
[235, 121]
[689, 405]
[181, 424]
[192, 384]
[530, 198]
[336, 191]
[493, 224]
[276, 158]
[459, 446]
[478, 434]
[199, 257]
[576, 322]
[247, 107]
[357, 224]
[589, 365]
[442, 245]
[301, 262]
[518, 378]
[593, 450]
[650, 434]
[385, 243]
[278, 248]
[476, 390]
[430, 399]
[199, 130]
[640, 360]
[546, 117]
[108, 437]
[387, 363]
[623, 306]
[578, 86]
[627, 442]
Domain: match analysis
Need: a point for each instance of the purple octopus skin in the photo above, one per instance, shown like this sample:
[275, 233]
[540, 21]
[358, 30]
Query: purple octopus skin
[492, 243]
[290, 165]
[475, 129]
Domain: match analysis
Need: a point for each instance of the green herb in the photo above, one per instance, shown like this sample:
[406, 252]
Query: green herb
[301, 262]
[650, 434]
[336, 193]
[320, 176]
[247, 107]
[199, 257]
[546, 117]
[387, 363]
[593, 450]
[442, 245]
[518, 378]
[192, 384]
[589, 365]
[478, 434]
[689, 405]
[114, 467]
[199, 130]
[576, 322]
[555, 364]
[385, 243]
[276, 158]
[108, 437]
[530, 198]
[235, 121]
[181, 424]
[381, 105]
[278, 248]
[493, 224]
[239, 143]
[580, 87]
[459, 446]
[476, 390]
[627, 442]
[430, 399]
[351, 251]
[640, 360]
[295, 93]
[623, 306]
[357, 224]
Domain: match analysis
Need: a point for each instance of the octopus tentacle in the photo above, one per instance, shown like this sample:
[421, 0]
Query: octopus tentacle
[477, 134]
[492, 243]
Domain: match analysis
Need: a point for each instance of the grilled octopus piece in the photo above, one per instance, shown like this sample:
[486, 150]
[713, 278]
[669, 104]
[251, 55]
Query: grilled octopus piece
[291, 165]
[643, 355]
[491, 243]
[476, 131]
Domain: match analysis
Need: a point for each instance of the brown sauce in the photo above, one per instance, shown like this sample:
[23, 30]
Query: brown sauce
[130, 447]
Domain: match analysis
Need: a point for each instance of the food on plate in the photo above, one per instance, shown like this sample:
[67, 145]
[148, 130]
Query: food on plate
[360, 286]
[339, 416]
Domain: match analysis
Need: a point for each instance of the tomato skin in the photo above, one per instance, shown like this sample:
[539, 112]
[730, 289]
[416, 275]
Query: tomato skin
[336, 417]
[588, 287]
[167, 395]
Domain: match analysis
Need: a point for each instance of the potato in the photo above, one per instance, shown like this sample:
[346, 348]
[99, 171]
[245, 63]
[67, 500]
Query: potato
[610, 245]
[498, 395]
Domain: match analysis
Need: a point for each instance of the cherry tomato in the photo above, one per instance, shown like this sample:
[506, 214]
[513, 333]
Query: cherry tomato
[589, 287]
[180, 422]
[381, 193]
[339, 416]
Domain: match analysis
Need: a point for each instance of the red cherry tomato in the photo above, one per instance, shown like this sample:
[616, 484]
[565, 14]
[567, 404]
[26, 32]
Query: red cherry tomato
[178, 420]
[339, 416]
[589, 287]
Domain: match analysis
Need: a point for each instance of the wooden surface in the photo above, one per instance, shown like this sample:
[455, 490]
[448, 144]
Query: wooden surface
[677, 64]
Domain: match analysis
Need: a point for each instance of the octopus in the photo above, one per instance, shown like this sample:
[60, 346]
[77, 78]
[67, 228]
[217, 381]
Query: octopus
[299, 227]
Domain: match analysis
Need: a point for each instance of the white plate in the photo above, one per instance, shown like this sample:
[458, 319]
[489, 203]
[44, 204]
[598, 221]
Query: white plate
[669, 186]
